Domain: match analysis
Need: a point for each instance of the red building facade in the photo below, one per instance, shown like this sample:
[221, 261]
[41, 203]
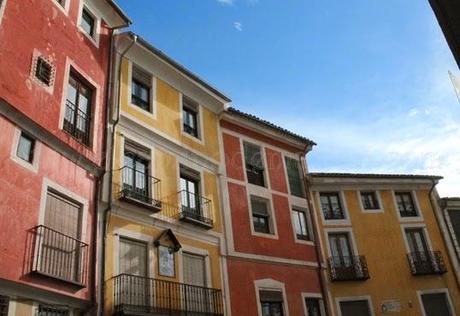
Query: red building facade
[272, 266]
[54, 65]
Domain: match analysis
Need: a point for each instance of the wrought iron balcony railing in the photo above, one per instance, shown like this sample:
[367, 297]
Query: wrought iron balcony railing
[333, 213]
[353, 268]
[135, 295]
[139, 188]
[59, 256]
[195, 209]
[429, 262]
[77, 123]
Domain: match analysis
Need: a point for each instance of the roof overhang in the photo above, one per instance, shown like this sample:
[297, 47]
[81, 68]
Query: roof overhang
[450, 202]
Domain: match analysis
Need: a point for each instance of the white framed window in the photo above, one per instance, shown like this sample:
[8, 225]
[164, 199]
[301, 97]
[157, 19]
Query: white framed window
[262, 218]
[271, 297]
[435, 302]
[25, 150]
[333, 207]
[62, 5]
[254, 164]
[313, 304]
[295, 177]
[370, 201]
[191, 119]
[407, 206]
[89, 23]
[301, 224]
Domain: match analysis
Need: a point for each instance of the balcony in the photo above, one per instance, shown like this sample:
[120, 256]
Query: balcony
[195, 209]
[135, 295]
[59, 256]
[77, 123]
[352, 268]
[426, 263]
[139, 188]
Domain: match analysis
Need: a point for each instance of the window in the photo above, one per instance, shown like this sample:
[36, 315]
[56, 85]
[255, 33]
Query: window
[331, 205]
[47, 310]
[190, 192]
[299, 219]
[369, 200]
[194, 269]
[341, 250]
[25, 150]
[405, 203]
[271, 303]
[254, 164]
[136, 182]
[140, 89]
[454, 217]
[61, 2]
[355, 308]
[313, 306]
[44, 71]
[260, 215]
[295, 177]
[4, 302]
[436, 304]
[190, 117]
[77, 119]
[88, 22]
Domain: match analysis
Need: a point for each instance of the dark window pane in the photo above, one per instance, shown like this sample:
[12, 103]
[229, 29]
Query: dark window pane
[43, 71]
[369, 200]
[454, 216]
[254, 164]
[405, 204]
[45, 310]
[190, 118]
[300, 224]
[313, 307]
[87, 22]
[436, 304]
[4, 300]
[355, 308]
[25, 149]
[140, 88]
[295, 177]
[260, 216]
[331, 205]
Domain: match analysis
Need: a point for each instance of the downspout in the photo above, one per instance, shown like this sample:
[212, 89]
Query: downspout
[445, 233]
[110, 166]
[315, 229]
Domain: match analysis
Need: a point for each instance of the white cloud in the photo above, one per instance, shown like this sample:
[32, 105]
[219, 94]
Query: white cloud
[412, 112]
[225, 2]
[238, 26]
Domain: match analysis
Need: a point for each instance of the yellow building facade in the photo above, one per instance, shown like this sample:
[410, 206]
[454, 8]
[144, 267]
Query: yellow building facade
[163, 223]
[383, 250]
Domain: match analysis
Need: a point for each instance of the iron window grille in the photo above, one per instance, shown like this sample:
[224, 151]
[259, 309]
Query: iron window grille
[406, 205]
[137, 295]
[25, 149]
[4, 305]
[348, 268]
[254, 164]
[44, 71]
[426, 262]
[295, 177]
[77, 119]
[195, 209]
[331, 206]
[49, 310]
[369, 200]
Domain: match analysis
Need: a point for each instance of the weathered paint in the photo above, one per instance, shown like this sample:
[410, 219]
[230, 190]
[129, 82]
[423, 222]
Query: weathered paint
[379, 238]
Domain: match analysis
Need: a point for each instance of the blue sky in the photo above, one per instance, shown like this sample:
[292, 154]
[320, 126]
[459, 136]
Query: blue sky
[367, 80]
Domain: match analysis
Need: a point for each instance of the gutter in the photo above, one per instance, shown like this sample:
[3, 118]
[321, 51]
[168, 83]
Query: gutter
[110, 167]
[316, 235]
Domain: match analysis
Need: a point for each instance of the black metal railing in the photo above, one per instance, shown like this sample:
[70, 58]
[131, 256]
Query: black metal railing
[139, 187]
[333, 213]
[59, 256]
[352, 268]
[77, 123]
[141, 295]
[408, 213]
[195, 208]
[426, 262]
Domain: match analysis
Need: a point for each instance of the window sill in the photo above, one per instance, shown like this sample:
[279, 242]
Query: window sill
[264, 235]
[93, 40]
[195, 139]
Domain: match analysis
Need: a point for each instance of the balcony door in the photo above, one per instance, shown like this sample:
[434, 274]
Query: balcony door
[135, 176]
[417, 244]
[195, 296]
[341, 250]
[190, 193]
[134, 287]
[60, 241]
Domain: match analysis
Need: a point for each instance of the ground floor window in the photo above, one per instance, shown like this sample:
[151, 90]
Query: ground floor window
[4, 302]
[313, 306]
[436, 304]
[355, 308]
[271, 303]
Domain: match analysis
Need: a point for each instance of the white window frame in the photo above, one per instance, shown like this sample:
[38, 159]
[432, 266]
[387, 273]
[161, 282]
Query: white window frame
[346, 230]
[271, 212]
[270, 285]
[379, 200]
[153, 91]
[435, 291]
[309, 224]
[35, 56]
[267, 185]
[199, 120]
[367, 298]
[422, 226]
[36, 155]
[97, 22]
[343, 202]
[413, 193]
[317, 296]
[65, 8]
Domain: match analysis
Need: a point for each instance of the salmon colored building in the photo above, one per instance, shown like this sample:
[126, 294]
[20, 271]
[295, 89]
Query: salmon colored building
[271, 259]
[54, 62]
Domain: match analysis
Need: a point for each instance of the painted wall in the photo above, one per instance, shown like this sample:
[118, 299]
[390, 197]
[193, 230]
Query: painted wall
[379, 237]
[21, 197]
[47, 29]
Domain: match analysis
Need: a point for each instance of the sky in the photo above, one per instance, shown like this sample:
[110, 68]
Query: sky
[366, 80]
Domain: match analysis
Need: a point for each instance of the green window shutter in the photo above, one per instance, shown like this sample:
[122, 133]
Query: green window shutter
[294, 177]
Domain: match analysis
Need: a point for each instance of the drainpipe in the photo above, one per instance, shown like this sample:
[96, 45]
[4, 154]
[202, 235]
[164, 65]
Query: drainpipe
[315, 229]
[110, 167]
